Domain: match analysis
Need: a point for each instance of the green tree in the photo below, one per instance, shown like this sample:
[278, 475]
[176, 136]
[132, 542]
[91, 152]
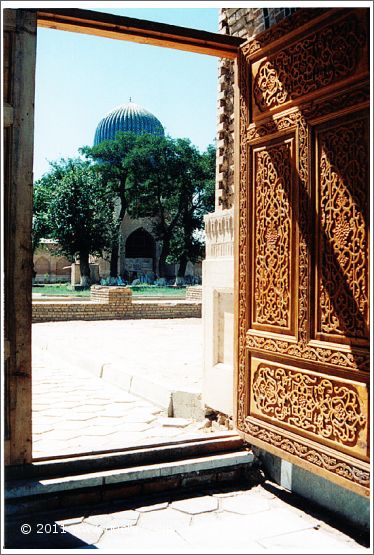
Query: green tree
[73, 206]
[198, 193]
[113, 162]
[158, 165]
[44, 190]
[163, 178]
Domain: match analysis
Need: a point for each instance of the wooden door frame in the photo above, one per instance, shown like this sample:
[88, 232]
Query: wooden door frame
[17, 352]
[141, 31]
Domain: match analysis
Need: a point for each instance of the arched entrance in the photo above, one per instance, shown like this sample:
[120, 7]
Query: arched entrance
[140, 252]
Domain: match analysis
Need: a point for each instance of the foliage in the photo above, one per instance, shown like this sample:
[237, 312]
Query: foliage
[159, 177]
[73, 206]
[83, 203]
[113, 163]
[198, 193]
[173, 182]
[44, 190]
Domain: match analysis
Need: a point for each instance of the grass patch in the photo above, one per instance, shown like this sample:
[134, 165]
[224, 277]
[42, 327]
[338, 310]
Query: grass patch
[60, 289]
[155, 290]
[65, 290]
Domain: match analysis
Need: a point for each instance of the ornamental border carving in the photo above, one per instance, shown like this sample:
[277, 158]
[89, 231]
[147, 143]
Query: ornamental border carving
[334, 464]
[311, 110]
[242, 239]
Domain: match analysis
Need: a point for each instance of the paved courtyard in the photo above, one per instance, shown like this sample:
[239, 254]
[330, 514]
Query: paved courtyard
[264, 519]
[76, 411]
[166, 351]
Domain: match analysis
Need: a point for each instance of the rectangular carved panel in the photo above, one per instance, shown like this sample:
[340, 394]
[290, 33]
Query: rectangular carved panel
[342, 204]
[328, 409]
[273, 236]
[320, 59]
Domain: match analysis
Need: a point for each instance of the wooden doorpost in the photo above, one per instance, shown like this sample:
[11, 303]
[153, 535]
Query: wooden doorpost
[19, 81]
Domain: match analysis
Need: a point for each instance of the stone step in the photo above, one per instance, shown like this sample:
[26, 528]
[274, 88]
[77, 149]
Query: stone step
[23, 496]
[127, 458]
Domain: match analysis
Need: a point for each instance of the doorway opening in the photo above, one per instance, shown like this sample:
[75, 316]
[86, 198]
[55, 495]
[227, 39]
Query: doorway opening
[107, 385]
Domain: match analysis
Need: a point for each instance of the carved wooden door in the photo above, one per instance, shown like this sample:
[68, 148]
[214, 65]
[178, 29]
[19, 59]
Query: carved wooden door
[302, 260]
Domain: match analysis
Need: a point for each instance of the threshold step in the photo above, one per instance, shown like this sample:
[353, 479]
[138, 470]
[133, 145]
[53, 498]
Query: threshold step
[124, 458]
[18, 489]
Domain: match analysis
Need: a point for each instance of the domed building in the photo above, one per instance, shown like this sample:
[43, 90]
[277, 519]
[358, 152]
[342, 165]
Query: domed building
[128, 117]
[139, 250]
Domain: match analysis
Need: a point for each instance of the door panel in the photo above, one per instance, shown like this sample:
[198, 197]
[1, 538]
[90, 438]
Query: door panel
[319, 406]
[273, 237]
[342, 284]
[302, 263]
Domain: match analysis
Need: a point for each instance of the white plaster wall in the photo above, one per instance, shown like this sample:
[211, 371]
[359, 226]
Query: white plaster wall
[218, 313]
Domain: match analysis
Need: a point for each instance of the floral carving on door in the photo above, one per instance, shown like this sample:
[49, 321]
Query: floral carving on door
[303, 246]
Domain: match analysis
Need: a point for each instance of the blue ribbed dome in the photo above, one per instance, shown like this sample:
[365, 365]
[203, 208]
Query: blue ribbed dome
[129, 117]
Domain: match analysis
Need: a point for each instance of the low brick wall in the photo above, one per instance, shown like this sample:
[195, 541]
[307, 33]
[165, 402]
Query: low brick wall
[165, 309]
[113, 295]
[112, 303]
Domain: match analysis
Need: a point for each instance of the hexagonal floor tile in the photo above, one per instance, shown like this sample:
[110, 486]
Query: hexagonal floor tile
[196, 505]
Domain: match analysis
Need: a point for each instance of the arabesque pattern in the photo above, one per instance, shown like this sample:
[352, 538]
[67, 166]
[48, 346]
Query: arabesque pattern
[343, 284]
[316, 404]
[307, 396]
[316, 61]
[272, 190]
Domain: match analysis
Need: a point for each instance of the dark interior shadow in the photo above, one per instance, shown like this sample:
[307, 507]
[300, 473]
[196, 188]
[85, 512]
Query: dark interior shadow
[39, 533]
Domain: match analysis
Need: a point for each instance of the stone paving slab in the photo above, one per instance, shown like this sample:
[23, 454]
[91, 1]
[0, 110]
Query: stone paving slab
[176, 363]
[156, 524]
[196, 505]
[76, 411]
[82, 413]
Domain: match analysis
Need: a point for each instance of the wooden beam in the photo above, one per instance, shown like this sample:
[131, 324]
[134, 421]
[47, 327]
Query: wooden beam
[18, 179]
[138, 30]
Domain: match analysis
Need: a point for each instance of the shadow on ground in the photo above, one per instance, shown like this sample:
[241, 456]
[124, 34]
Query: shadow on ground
[263, 514]
[40, 533]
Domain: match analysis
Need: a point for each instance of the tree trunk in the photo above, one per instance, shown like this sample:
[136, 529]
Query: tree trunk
[114, 259]
[182, 265]
[162, 260]
[115, 242]
[85, 269]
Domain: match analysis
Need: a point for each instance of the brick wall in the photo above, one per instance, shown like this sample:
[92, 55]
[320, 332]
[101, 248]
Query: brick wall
[112, 303]
[115, 296]
[245, 23]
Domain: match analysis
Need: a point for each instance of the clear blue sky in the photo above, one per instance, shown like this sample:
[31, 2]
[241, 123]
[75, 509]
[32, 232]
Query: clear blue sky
[79, 78]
